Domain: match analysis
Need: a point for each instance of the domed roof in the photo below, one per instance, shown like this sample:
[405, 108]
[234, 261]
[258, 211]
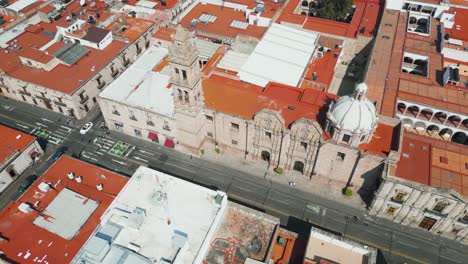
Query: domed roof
[354, 112]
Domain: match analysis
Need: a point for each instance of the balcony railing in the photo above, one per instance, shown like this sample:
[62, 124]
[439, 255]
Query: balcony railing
[43, 98]
[85, 99]
[133, 118]
[397, 201]
[116, 113]
[101, 85]
[24, 93]
[434, 212]
[150, 123]
[60, 104]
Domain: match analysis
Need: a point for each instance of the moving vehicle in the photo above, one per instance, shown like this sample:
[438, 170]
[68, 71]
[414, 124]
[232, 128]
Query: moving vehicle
[27, 182]
[86, 128]
[59, 153]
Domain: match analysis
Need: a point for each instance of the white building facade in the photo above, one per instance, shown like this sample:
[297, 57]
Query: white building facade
[441, 211]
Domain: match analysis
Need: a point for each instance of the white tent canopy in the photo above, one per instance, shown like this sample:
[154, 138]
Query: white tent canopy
[281, 56]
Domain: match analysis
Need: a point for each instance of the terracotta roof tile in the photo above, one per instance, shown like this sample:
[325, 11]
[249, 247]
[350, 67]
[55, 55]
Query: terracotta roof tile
[12, 141]
[221, 26]
[245, 100]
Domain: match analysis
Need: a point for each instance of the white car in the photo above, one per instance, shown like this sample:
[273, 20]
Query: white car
[86, 128]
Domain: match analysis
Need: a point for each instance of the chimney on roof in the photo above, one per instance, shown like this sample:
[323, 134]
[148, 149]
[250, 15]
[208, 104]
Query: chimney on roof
[18, 136]
[44, 187]
[99, 187]
[78, 179]
[71, 175]
[37, 203]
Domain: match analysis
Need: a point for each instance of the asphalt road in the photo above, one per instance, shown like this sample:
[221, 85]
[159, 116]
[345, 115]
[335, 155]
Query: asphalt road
[297, 210]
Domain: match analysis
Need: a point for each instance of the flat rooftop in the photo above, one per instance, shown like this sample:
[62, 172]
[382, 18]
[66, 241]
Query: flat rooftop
[385, 73]
[326, 248]
[159, 217]
[66, 214]
[243, 233]
[220, 25]
[434, 163]
[141, 86]
[41, 226]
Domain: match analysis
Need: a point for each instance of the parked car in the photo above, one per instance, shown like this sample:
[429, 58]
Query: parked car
[59, 153]
[86, 128]
[27, 182]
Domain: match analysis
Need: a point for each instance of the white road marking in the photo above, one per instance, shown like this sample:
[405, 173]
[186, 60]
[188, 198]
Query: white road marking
[47, 120]
[279, 201]
[23, 126]
[118, 161]
[130, 151]
[146, 152]
[67, 128]
[40, 124]
[100, 153]
[242, 188]
[403, 243]
[61, 133]
[140, 159]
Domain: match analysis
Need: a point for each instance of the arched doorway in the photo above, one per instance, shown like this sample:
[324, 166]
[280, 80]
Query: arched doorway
[305, 3]
[266, 156]
[432, 130]
[460, 138]
[453, 121]
[445, 133]
[299, 166]
[401, 108]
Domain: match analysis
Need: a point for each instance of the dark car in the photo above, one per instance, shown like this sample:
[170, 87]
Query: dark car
[27, 182]
[59, 153]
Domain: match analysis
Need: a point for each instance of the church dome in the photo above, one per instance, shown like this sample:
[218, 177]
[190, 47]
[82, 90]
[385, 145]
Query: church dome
[354, 112]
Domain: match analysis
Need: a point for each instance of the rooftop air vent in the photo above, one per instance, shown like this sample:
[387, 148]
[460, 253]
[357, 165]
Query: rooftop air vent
[99, 187]
[291, 107]
[71, 175]
[25, 208]
[44, 187]
[78, 179]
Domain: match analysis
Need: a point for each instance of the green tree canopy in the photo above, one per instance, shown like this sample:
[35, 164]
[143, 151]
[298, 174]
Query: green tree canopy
[335, 9]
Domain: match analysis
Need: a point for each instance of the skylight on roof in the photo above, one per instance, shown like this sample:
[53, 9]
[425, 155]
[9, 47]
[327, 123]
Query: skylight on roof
[205, 18]
[239, 24]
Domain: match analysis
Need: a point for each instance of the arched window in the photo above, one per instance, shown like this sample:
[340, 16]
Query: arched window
[299, 166]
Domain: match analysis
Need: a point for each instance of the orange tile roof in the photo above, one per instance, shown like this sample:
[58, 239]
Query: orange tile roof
[364, 20]
[46, 9]
[164, 33]
[135, 28]
[35, 55]
[10, 142]
[245, 100]
[271, 8]
[385, 80]
[287, 253]
[459, 2]
[7, 20]
[221, 26]
[39, 244]
[385, 138]
[169, 4]
[435, 163]
[69, 76]
[461, 20]
[323, 67]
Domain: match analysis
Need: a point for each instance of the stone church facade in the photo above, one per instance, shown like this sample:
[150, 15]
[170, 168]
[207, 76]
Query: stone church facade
[302, 146]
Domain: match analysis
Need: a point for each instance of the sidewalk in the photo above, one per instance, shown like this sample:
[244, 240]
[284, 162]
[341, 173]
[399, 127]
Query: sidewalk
[319, 186]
